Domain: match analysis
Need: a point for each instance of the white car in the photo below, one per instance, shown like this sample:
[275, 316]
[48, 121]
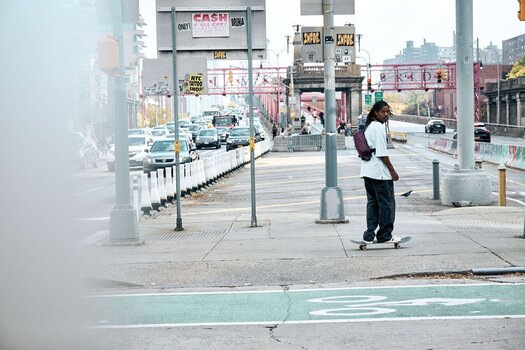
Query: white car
[138, 148]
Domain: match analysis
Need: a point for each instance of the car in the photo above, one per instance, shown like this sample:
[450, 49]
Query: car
[138, 148]
[162, 154]
[239, 136]
[143, 131]
[83, 150]
[208, 138]
[223, 132]
[159, 133]
[481, 134]
[435, 125]
[194, 129]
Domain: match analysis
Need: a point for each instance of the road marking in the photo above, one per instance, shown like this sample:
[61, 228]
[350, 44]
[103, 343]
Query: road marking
[361, 304]
[93, 238]
[88, 191]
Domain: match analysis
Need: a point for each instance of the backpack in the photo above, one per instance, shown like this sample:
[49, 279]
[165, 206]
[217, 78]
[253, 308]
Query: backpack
[363, 150]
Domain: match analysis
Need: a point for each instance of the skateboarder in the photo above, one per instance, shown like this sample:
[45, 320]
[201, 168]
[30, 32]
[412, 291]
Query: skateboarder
[379, 176]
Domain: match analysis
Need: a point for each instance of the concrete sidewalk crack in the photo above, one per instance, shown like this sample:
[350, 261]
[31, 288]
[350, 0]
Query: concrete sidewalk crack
[222, 237]
[341, 239]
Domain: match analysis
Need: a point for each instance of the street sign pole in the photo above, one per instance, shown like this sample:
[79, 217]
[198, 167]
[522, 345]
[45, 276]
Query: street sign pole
[250, 103]
[332, 205]
[175, 98]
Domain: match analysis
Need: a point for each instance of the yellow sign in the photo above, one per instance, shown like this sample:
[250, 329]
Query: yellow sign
[219, 55]
[176, 146]
[311, 38]
[252, 144]
[345, 40]
[195, 84]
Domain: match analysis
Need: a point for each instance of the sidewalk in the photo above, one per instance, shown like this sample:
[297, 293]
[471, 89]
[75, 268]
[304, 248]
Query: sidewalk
[218, 248]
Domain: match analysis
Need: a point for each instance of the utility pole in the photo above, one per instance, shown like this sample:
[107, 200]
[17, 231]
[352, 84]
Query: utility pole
[332, 205]
[123, 223]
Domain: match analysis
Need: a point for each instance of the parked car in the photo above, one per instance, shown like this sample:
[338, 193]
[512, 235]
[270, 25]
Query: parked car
[239, 136]
[83, 151]
[162, 154]
[208, 138]
[435, 125]
[481, 134]
[223, 132]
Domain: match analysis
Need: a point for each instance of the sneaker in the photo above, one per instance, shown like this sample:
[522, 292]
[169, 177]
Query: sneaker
[367, 242]
[394, 239]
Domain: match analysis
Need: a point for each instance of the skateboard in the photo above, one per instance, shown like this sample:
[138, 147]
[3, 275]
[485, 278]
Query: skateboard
[363, 246]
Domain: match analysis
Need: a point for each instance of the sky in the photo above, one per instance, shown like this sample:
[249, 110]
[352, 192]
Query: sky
[386, 25]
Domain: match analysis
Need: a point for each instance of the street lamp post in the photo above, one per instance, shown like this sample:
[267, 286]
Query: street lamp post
[279, 78]
[498, 120]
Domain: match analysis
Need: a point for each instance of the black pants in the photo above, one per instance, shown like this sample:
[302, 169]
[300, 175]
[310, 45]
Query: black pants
[380, 209]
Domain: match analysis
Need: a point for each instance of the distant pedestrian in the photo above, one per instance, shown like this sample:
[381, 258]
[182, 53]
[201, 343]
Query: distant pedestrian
[379, 176]
[274, 131]
[321, 118]
[289, 129]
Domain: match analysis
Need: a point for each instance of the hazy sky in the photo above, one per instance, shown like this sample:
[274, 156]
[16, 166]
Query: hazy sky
[386, 25]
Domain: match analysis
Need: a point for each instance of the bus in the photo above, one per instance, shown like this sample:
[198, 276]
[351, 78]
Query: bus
[228, 121]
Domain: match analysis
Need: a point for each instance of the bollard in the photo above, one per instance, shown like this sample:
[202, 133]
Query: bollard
[435, 177]
[502, 185]
[479, 164]
[162, 188]
[136, 194]
[170, 190]
[145, 201]
[154, 192]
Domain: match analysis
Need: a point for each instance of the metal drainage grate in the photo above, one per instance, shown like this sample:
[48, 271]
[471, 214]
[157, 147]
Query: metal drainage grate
[185, 236]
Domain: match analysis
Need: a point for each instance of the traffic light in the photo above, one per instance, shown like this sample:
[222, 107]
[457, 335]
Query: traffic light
[521, 12]
[369, 84]
[439, 75]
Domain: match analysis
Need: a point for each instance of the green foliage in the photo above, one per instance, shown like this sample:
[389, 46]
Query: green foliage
[518, 69]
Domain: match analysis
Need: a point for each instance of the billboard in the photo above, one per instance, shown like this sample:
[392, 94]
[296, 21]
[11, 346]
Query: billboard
[209, 26]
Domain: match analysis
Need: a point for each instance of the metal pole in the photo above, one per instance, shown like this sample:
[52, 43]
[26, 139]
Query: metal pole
[123, 224]
[250, 103]
[330, 212]
[435, 177]
[175, 87]
[465, 83]
[498, 116]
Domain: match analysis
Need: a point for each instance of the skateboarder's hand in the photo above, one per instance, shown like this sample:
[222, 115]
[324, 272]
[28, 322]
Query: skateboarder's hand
[394, 174]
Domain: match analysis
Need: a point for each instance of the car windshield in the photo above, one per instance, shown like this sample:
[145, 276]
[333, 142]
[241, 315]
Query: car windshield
[158, 132]
[222, 130]
[240, 132]
[135, 132]
[167, 146]
[223, 121]
[208, 132]
[192, 127]
[437, 121]
[136, 141]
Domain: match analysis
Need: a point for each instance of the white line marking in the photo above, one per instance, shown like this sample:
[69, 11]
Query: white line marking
[510, 199]
[307, 290]
[95, 237]
[88, 191]
[101, 218]
[386, 319]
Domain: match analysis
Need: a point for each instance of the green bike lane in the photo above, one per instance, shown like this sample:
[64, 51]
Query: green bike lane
[407, 303]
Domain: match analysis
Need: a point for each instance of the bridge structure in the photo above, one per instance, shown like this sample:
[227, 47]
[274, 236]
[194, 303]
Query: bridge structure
[277, 86]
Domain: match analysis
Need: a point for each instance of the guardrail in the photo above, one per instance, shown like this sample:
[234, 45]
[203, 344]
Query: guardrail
[510, 155]
[306, 143]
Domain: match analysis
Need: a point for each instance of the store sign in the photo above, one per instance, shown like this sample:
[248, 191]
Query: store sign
[210, 25]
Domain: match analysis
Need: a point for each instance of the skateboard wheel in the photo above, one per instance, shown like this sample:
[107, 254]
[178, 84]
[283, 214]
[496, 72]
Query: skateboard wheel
[362, 247]
[397, 245]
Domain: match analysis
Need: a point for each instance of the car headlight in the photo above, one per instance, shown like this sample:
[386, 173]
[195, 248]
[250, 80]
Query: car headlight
[148, 160]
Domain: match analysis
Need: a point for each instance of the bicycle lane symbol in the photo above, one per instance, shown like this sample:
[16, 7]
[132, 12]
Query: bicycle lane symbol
[370, 305]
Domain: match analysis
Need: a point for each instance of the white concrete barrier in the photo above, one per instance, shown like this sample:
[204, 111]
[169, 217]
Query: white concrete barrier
[154, 191]
[145, 200]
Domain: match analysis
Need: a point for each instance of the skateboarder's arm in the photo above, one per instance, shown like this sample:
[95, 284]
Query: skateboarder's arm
[390, 167]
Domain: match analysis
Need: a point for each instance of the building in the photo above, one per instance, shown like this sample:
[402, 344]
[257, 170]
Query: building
[513, 49]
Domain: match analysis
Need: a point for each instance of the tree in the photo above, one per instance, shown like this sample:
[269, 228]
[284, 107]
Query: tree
[518, 69]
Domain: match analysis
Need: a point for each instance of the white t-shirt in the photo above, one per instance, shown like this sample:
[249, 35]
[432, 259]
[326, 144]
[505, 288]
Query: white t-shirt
[375, 168]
